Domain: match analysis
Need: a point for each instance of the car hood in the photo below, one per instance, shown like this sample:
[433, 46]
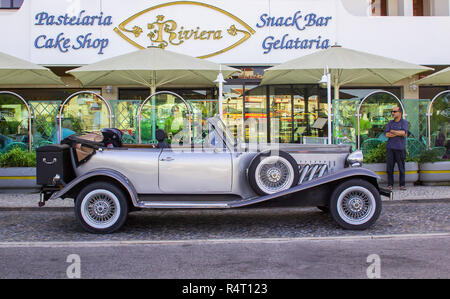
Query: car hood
[299, 148]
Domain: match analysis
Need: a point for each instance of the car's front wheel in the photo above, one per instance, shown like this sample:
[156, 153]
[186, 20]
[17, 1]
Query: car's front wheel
[101, 208]
[355, 204]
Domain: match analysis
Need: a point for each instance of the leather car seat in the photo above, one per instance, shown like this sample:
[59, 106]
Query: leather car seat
[161, 137]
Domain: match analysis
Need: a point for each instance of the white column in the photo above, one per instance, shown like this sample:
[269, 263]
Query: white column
[440, 7]
[393, 7]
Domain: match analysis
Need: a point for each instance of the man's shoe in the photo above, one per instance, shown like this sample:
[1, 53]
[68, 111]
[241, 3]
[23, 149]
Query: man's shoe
[402, 188]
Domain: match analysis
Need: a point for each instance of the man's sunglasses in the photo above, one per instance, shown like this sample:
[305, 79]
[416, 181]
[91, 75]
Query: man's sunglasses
[394, 111]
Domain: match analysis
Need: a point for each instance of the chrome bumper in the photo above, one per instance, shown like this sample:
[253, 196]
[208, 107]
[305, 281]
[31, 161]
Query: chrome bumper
[387, 193]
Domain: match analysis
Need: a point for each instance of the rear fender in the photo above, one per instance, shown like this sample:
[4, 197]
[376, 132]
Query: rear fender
[98, 175]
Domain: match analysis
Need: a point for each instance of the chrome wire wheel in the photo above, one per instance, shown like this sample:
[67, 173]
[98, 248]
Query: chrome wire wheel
[356, 205]
[274, 174]
[100, 209]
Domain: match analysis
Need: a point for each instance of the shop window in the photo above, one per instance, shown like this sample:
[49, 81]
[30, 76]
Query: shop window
[11, 4]
[374, 114]
[255, 114]
[439, 124]
[306, 113]
[281, 127]
[125, 112]
[84, 112]
[233, 109]
[14, 122]
[201, 110]
[167, 112]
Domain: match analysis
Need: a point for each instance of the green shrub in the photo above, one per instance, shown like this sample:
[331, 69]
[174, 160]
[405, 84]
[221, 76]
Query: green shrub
[18, 158]
[430, 156]
[376, 155]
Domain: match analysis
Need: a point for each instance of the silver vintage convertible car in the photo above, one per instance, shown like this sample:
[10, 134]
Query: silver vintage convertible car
[109, 182]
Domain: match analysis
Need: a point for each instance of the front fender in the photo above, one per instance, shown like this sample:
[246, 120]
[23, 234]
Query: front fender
[332, 177]
[109, 173]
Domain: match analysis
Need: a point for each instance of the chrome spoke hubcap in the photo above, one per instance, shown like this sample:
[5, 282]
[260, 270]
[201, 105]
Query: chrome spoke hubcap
[274, 174]
[100, 208]
[356, 205]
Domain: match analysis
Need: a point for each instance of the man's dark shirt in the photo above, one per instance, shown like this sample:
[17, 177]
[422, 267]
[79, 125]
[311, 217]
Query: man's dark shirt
[398, 142]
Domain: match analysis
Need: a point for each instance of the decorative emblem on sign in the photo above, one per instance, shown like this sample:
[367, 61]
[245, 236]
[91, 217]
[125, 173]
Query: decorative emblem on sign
[168, 25]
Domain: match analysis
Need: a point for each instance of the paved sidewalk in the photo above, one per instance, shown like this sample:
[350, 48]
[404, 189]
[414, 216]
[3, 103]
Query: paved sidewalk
[19, 199]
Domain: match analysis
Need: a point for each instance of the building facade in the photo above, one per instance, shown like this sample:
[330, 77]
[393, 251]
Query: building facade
[251, 35]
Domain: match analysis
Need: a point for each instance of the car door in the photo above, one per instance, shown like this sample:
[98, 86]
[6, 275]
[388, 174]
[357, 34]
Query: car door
[195, 171]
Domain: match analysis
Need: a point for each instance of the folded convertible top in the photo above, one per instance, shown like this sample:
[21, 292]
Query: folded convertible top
[85, 146]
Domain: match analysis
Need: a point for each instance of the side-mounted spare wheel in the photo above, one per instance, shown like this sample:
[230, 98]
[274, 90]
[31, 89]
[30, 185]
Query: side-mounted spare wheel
[355, 204]
[101, 208]
[271, 172]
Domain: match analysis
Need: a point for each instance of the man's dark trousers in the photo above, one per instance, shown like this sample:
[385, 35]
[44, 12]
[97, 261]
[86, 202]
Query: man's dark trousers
[395, 156]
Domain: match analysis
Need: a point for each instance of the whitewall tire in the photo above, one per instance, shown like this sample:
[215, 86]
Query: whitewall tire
[101, 208]
[271, 173]
[355, 204]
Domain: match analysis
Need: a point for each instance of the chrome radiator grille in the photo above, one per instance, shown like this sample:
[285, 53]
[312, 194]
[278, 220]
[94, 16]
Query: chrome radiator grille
[310, 172]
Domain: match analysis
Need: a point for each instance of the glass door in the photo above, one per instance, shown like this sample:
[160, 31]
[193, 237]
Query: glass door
[255, 114]
[281, 114]
[233, 109]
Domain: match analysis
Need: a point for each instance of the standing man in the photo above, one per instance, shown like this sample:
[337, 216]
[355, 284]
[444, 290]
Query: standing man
[396, 132]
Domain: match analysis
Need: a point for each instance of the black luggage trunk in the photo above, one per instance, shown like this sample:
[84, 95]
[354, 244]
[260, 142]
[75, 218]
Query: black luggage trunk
[53, 160]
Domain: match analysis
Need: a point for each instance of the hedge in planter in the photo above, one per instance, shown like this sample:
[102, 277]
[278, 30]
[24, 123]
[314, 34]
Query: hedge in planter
[375, 160]
[18, 169]
[18, 158]
[433, 170]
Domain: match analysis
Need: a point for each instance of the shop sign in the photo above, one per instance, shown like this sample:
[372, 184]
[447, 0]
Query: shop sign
[159, 27]
[79, 32]
[171, 24]
[65, 43]
[300, 21]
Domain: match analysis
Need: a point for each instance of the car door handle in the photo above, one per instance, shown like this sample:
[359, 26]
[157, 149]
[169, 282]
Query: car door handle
[167, 159]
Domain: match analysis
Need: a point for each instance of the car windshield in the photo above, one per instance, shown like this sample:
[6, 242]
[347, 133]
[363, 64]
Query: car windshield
[220, 126]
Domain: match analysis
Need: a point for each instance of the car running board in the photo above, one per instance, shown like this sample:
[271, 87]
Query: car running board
[183, 205]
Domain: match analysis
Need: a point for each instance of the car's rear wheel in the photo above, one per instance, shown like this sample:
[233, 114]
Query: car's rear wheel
[271, 173]
[101, 208]
[355, 204]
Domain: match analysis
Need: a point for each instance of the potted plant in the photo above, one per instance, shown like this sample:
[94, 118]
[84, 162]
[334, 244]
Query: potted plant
[18, 169]
[433, 170]
[375, 160]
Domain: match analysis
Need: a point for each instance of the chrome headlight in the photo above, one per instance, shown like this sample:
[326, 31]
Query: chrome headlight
[355, 159]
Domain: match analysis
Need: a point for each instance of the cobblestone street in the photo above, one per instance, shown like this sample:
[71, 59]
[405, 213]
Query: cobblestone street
[59, 224]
